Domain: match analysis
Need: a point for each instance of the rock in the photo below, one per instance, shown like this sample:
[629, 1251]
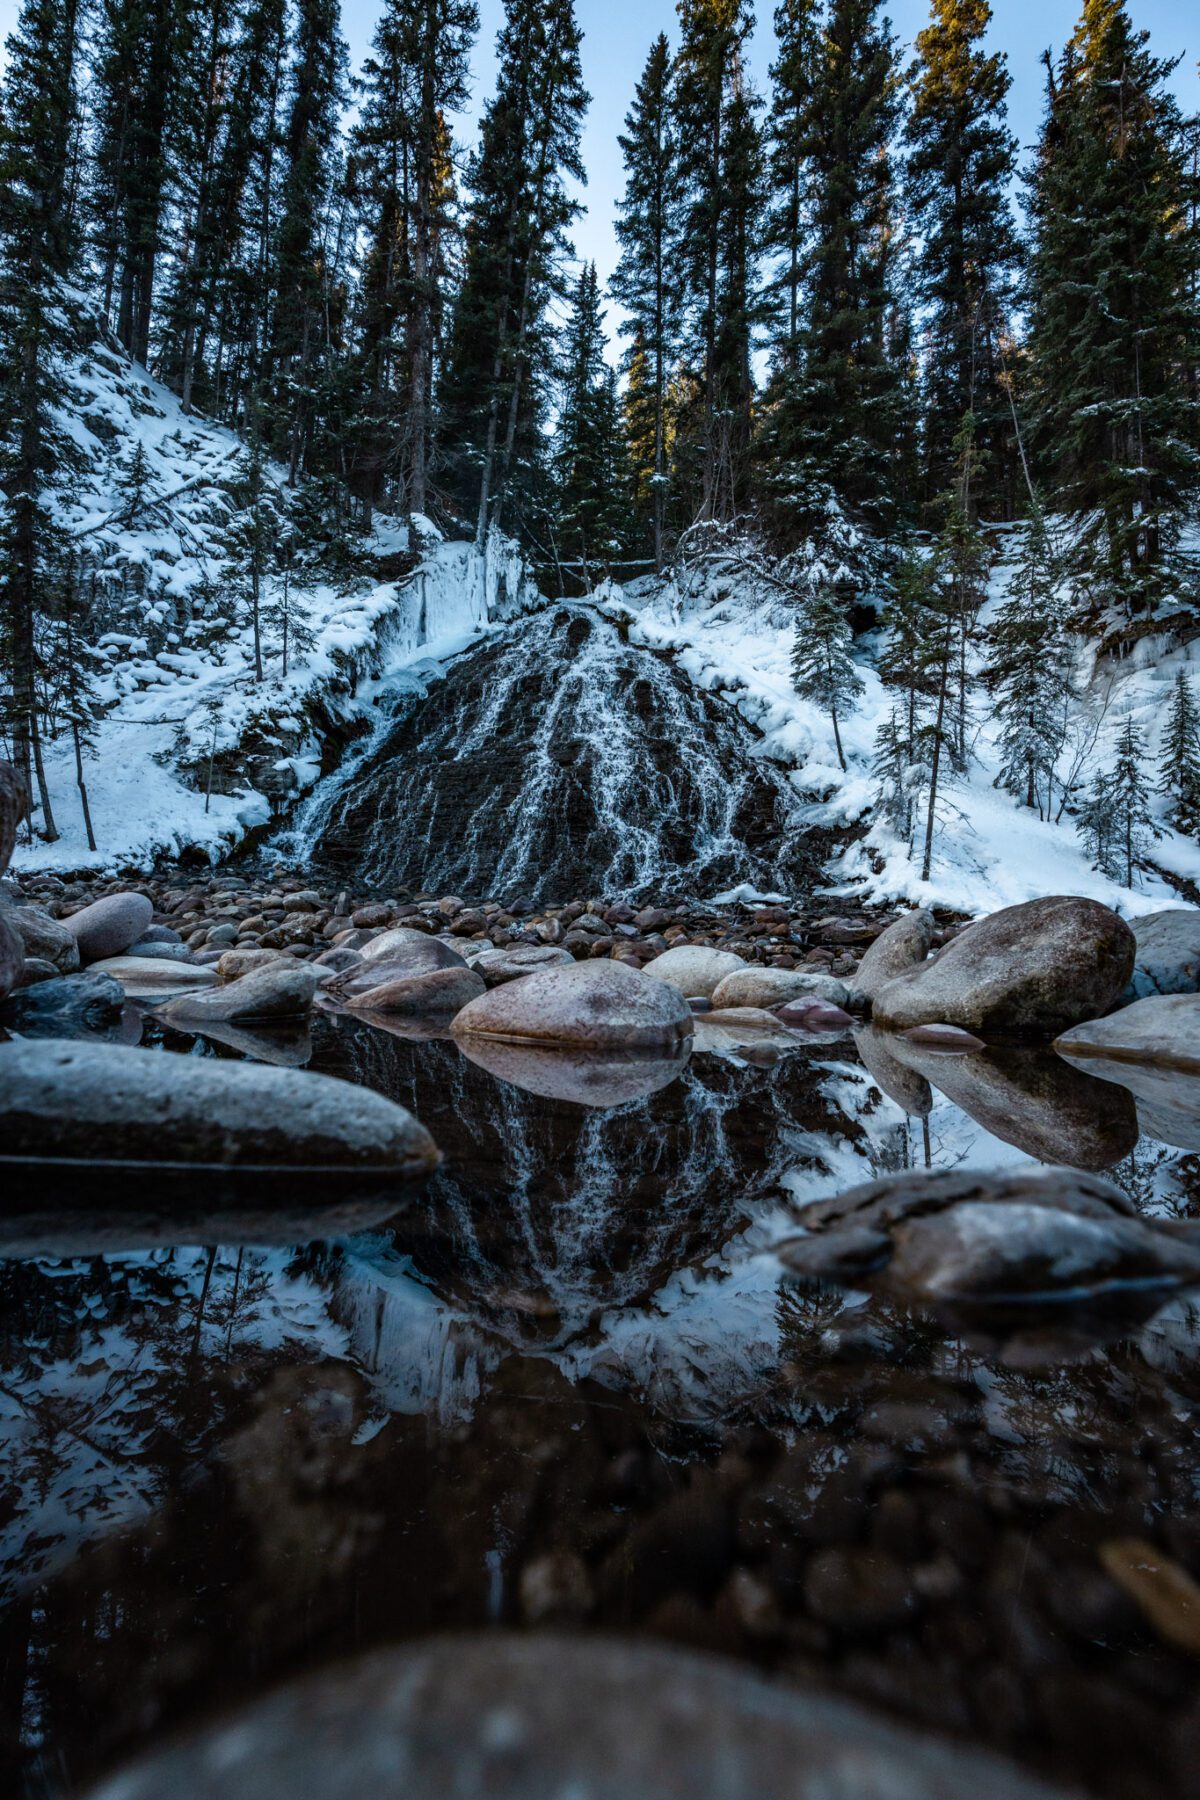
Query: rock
[370, 917]
[1030, 1236]
[12, 957]
[1029, 971]
[12, 810]
[1167, 1100]
[904, 945]
[439, 993]
[402, 940]
[42, 936]
[542, 1716]
[160, 934]
[592, 1078]
[1164, 1030]
[232, 964]
[158, 951]
[283, 990]
[111, 1103]
[35, 969]
[814, 1016]
[1168, 953]
[109, 926]
[776, 987]
[499, 966]
[741, 1018]
[694, 970]
[599, 1005]
[64, 1007]
[220, 935]
[943, 1037]
[142, 975]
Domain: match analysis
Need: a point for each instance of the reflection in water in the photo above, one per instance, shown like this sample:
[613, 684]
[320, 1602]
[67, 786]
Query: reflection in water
[572, 1352]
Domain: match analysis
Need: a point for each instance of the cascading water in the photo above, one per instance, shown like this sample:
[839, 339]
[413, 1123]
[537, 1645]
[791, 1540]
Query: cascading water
[558, 760]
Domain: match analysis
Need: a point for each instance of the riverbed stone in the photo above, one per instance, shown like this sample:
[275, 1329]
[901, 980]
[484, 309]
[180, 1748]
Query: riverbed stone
[242, 959]
[158, 951]
[111, 1102]
[34, 969]
[1029, 971]
[544, 1715]
[1164, 1029]
[109, 926]
[518, 960]
[282, 990]
[814, 1015]
[402, 940]
[142, 975]
[1168, 953]
[42, 936]
[601, 1005]
[68, 1006]
[694, 970]
[904, 945]
[438, 993]
[776, 987]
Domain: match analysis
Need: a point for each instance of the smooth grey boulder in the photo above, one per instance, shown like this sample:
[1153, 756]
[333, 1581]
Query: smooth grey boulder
[597, 1079]
[695, 969]
[904, 945]
[44, 937]
[1030, 971]
[1168, 953]
[544, 1716]
[775, 987]
[282, 990]
[109, 926]
[597, 1004]
[516, 961]
[88, 1101]
[1025, 1236]
[440, 993]
[1163, 1030]
[394, 944]
[68, 1005]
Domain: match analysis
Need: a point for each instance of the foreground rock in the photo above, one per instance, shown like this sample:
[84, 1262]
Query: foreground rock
[1031, 1236]
[904, 945]
[599, 1005]
[695, 971]
[283, 990]
[439, 994]
[1168, 953]
[776, 987]
[1164, 1030]
[1029, 971]
[109, 926]
[106, 1102]
[508, 1716]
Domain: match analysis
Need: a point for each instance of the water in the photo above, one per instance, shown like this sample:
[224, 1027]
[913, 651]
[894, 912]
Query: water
[555, 761]
[566, 1382]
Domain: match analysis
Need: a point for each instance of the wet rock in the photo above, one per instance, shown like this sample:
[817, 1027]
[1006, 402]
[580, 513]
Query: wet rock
[369, 918]
[69, 1005]
[1033, 1235]
[510, 964]
[904, 945]
[814, 1016]
[775, 987]
[35, 969]
[695, 971]
[232, 964]
[145, 975]
[593, 1078]
[507, 1716]
[943, 1037]
[284, 990]
[1031, 1098]
[1164, 1030]
[900, 1081]
[1167, 1100]
[41, 936]
[1168, 953]
[440, 993]
[172, 950]
[12, 958]
[159, 934]
[1029, 971]
[109, 926]
[404, 941]
[599, 1005]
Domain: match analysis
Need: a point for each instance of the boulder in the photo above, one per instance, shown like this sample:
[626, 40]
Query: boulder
[1168, 953]
[67, 1006]
[13, 803]
[283, 990]
[402, 940]
[231, 965]
[540, 1715]
[1163, 1030]
[36, 968]
[107, 1102]
[776, 987]
[904, 945]
[517, 960]
[162, 950]
[440, 993]
[593, 1078]
[141, 975]
[694, 970]
[1029, 971]
[109, 926]
[12, 958]
[596, 1004]
[42, 936]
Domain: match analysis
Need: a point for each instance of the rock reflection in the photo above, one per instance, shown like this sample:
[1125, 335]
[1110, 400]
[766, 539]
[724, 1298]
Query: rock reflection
[588, 1078]
[1167, 1100]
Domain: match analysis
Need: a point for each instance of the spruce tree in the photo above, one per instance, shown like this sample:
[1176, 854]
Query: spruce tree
[646, 281]
[1179, 777]
[1127, 794]
[959, 170]
[1028, 672]
[589, 496]
[790, 130]
[1113, 291]
[823, 669]
[905, 660]
[900, 777]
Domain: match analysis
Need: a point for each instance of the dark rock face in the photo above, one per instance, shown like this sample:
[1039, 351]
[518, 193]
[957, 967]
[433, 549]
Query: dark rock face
[556, 760]
[1029, 971]
[527, 1717]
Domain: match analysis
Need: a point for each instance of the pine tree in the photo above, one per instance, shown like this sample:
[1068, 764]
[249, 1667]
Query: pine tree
[906, 658]
[790, 142]
[646, 281]
[1028, 672]
[1113, 289]
[1125, 794]
[253, 538]
[823, 669]
[284, 616]
[1180, 751]
[900, 777]
[589, 497]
